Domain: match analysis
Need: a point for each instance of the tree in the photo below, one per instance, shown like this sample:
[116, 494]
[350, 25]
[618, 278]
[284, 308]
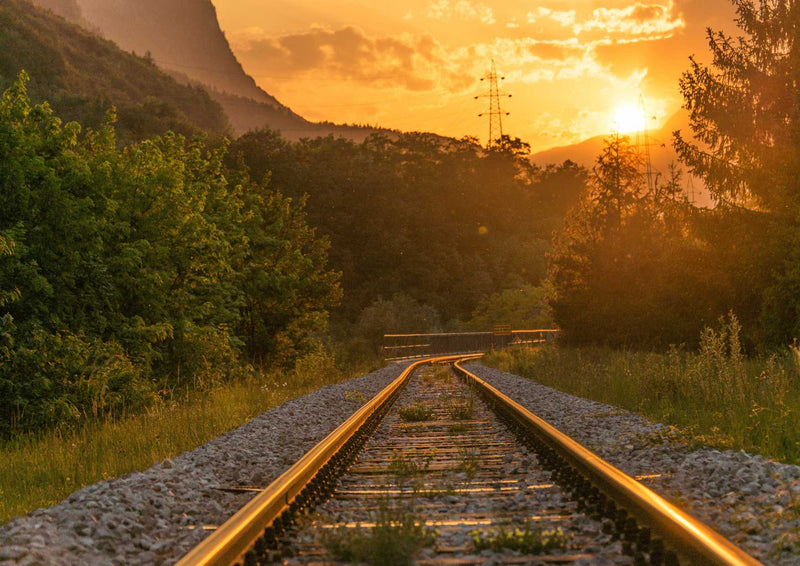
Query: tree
[628, 269]
[744, 109]
[139, 270]
[745, 118]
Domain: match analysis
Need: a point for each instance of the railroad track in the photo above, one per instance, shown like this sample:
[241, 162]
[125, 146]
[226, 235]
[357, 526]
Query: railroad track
[449, 471]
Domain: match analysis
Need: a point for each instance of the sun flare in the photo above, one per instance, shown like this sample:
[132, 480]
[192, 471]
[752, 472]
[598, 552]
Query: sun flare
[627, 118]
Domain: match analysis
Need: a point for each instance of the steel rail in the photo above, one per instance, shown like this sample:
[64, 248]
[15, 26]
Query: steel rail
[689, 537]
[230, 541]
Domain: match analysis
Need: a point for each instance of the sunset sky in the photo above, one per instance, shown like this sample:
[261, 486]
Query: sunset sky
[574, 68]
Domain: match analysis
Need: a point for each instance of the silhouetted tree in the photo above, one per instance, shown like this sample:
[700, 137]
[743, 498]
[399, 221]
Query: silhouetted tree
[745, 118]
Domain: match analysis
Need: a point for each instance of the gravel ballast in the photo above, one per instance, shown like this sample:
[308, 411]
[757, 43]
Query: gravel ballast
[155, 516]
[751, 500]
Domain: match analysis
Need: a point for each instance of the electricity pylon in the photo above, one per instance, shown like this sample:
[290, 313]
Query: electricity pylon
[495, 113]
[643, 146]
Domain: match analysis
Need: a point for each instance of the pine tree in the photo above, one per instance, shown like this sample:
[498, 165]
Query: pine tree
[744, 109]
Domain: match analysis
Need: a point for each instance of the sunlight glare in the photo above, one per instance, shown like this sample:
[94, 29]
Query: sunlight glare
[627, 118]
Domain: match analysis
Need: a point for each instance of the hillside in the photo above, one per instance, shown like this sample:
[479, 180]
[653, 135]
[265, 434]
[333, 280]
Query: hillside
[662, 154]
[585, 152]
[184, 38]
[83, 76]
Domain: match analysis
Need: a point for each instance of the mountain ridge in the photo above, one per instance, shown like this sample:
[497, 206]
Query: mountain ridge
[184, 38]
[83, 76]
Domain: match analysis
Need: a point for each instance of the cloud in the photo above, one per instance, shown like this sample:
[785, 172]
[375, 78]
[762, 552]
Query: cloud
[461, 9]
[542, 14]
[410, 62]
[636, 19]
[419, 63]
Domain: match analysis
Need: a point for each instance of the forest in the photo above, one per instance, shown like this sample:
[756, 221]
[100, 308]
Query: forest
[132, 271]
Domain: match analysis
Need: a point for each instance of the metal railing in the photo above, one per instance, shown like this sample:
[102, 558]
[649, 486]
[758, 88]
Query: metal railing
[410, 346]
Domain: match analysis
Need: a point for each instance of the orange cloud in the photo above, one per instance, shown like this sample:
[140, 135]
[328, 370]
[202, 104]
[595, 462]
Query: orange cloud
[542, 14]
[461, 9]
[637, 19]
[346, 53]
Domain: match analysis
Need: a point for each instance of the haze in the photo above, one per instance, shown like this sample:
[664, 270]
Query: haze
[573, 67]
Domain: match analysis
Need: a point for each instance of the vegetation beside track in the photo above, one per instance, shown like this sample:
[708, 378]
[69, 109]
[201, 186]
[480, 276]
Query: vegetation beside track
[40, 470]
[715, 396]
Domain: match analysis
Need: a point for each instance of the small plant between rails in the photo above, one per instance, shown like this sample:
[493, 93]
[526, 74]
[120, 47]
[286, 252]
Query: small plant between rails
[395, 539]
[416, 413]
[527, 540]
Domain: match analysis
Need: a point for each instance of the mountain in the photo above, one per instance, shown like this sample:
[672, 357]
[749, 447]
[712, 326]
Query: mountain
[661, 153]
[184, 38]
[586, 152]
[82, 76]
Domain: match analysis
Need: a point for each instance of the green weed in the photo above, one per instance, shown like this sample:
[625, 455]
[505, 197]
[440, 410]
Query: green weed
[440, 375]
[459, 410]
[357, 396]
[416, 413]
[396, 538]
[470, 462]
[526, 540]
[406, 466]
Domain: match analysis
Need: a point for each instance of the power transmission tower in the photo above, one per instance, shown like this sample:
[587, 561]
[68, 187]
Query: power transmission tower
[495, 113]
[690, 189]
[643, 146]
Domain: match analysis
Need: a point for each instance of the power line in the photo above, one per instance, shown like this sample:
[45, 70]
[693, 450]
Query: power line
[495, 113]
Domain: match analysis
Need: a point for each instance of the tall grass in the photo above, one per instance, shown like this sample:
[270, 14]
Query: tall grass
[38, 471]
[716, 395]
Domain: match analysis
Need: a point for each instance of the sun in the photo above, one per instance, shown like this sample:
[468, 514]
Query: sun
[627, 118]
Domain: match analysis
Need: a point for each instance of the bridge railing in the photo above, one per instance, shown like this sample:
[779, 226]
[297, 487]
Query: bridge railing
[410, 346]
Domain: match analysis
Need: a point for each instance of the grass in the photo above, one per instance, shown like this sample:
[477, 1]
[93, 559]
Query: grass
[715, 396]
[526, 540]
[406, 466]
[416, 413]
[439, 375]
[395, 539]
[470, 462]
[39, 471]
[461, 411]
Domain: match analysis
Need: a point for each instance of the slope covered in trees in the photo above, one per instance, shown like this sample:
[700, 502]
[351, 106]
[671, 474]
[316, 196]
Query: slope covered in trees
[83, 76]
[441, 221]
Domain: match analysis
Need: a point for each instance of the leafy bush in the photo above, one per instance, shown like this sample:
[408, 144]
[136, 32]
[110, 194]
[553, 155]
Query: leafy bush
[151, 268]
[59, 379]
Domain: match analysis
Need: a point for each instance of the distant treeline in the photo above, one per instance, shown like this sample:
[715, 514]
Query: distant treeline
[439, 222]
